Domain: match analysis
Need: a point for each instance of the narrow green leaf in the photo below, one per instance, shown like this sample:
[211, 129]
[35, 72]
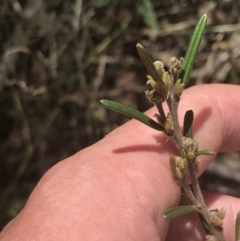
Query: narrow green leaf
[237, 227]
[205, 224]
[187, 124]
[204, 152]
[146, 59]
[178, 211]
[193, 48]
[133, 113]
[101, 3]
[146, 9]
[105, 42]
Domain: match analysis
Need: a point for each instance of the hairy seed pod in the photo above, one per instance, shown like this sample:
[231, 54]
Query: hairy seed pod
[175, 63]
[178, 88]
[179, 167]
[159, 67]
[217, 216]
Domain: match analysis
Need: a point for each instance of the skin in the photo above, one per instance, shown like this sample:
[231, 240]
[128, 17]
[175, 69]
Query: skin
[118, 188]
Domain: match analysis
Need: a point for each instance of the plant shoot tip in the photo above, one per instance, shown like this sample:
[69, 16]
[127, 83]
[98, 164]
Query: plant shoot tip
[139, 46]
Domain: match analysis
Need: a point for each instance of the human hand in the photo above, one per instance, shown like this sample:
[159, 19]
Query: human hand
[118, 188]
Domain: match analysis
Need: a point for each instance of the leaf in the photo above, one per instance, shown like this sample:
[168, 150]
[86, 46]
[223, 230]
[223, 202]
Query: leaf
[205, 224]
[204, 152]
[178, 211]
[193, 48]
[187, 124]
[133, 113]
[102, 3]
[237, 227]
[146, 59]
[105, 42]
[145, 8]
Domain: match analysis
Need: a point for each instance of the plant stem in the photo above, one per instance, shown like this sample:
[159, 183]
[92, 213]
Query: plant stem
[173, 107]
[189, 194]
[194, 195]
[203, 208]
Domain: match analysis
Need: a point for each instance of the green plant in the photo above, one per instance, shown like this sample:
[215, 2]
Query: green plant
[167, 86]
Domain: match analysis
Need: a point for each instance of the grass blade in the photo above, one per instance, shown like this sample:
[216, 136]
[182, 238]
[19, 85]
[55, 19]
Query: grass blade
[193, 48]
[146, 9]
[105, 43]
[133, 113]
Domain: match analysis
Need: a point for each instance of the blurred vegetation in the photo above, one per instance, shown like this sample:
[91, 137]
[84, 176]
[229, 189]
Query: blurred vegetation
[58, 58]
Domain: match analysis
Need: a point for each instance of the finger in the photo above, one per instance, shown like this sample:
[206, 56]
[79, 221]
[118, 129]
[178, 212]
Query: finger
[125, 179]
[216, 126]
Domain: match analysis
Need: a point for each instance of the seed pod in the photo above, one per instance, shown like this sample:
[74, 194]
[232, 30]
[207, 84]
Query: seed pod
[179, 167]
[217, 217]
[175, 63]
[166, 79]
[168, 123]
[159, 67]
[178, 88]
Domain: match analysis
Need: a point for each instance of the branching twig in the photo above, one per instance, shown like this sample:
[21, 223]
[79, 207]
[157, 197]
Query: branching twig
[167, 84]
